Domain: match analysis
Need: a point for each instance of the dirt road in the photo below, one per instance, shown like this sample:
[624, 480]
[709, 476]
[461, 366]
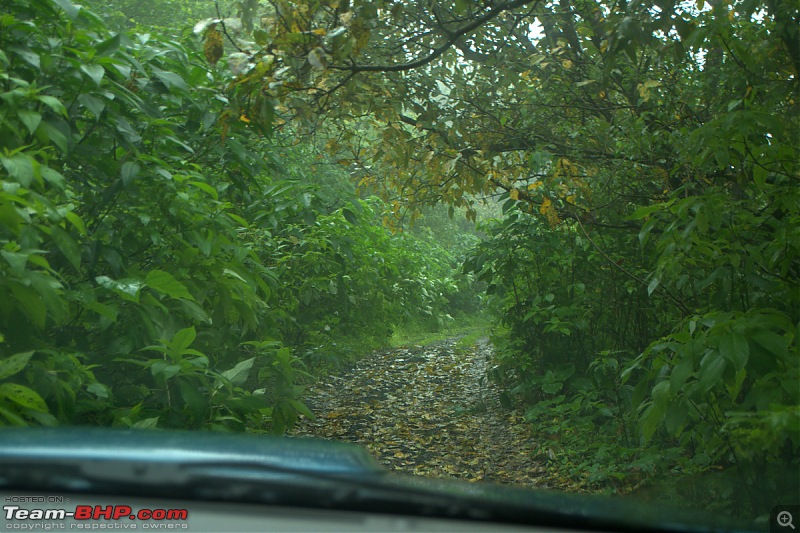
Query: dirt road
[428, 411]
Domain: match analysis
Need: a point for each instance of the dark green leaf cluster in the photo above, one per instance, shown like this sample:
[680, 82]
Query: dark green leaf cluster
[350, 282]
[160, 265]
[122, 238]
[670, 263]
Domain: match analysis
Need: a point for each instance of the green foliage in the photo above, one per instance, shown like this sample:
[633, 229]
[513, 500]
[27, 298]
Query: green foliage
[123, 232]
[348, 281]
[561, 301]
[159, 266]
[672, 287]
[725, 385]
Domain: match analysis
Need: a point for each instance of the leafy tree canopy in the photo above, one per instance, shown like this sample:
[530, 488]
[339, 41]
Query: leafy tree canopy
[553, 102]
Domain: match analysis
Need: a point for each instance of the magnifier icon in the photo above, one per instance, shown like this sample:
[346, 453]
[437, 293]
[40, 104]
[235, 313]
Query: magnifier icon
[785, 519]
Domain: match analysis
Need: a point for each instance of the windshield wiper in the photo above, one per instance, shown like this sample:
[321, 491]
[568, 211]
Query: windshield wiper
[295, 472]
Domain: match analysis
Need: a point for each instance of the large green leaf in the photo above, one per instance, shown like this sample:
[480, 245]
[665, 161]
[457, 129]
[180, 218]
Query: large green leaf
[710, 374]
[170, 79]
[676, 417]
[165, 283]
[650, 420]
[181, 341]
[733, 347]
[93, 104]
[14, 363]
[23, 396]
[109, 46]
[239, 373]
[68, 246]
[31, 304]
[31, 119]
[54, 104]
[20, 167]
[164, 369]
[95, 72]
[129, 171]
[16, 260]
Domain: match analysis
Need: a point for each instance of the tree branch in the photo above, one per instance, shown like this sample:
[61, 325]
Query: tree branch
[439, 50]
[224, 29]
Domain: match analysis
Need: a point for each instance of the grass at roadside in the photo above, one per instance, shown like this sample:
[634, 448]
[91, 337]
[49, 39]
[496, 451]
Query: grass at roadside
[469, 328]
[333, 359]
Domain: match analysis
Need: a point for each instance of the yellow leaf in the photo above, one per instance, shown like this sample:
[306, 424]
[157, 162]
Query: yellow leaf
[644, 88]
[319, 31]
[567, 64]
[546, 203]
[549, 212]
[244, 119]
[514, 194]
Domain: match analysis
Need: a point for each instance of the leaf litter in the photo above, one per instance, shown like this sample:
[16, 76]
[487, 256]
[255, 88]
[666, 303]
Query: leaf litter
[431, 411]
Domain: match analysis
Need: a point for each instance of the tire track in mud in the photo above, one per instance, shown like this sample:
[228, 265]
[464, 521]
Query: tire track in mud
[427, 410]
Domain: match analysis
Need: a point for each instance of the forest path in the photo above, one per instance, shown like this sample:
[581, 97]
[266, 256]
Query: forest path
[428, 410]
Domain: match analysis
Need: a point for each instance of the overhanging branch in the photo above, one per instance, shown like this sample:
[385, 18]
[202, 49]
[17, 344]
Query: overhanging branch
[452, 39]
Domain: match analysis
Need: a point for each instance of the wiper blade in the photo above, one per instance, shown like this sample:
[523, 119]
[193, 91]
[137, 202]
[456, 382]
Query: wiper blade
[295, 472]
[166, 447]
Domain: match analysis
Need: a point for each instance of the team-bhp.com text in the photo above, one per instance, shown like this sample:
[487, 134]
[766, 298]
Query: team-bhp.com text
[96, 512]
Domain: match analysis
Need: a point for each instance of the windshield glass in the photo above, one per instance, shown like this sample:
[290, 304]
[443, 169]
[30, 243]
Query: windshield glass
[546, 243]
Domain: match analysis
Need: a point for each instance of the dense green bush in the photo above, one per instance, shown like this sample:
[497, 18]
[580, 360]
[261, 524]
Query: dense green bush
[161, 264]
[123, 239]
[656, 298]
[353, 281]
